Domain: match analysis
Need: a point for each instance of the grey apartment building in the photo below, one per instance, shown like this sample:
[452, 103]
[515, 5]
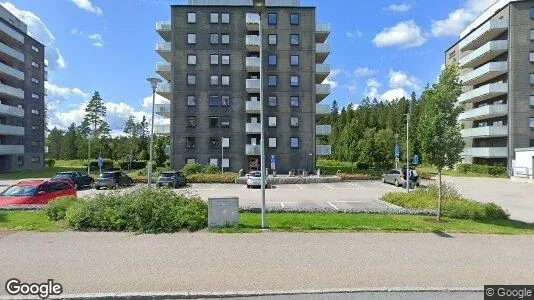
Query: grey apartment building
[22, 76]
[212, 79]
[495, 55]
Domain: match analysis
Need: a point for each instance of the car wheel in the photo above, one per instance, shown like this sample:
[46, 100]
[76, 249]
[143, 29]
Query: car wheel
[396, 183]
[383, 180]
[97, 188]
[248, 186]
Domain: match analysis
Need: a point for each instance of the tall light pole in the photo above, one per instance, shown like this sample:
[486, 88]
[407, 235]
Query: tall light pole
[408, 148]
[259, 6]
[222, 154]
[396, 145]
[153, 83]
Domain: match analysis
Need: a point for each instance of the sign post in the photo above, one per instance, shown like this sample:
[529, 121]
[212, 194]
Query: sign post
[415, 159]
[273, 163]
[397, 155]
[100, 163]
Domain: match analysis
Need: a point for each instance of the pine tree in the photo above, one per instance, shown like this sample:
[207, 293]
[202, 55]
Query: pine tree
[94, 123]
[70, 146]
[54, 142]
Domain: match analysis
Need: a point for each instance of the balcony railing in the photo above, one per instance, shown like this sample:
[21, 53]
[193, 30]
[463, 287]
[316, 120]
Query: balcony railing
[253, 43]
[253, 106]
[252, 149]
[11, 149]
[164, 129]
[321, 72]
[487, 152]
[484, 73]
[7, 110]
[253, 85]
[253, 128]
[164, 89]
[322, 150]
[252, 21]
[11, 91]
[484, 112]
[253, 64]
[164, 50]
[484, 33]
[163, 109]
[11, 130]
[322, 109]
[164, 29]
[11, 71]
[323, 129]
[322, 50]
[164, 69]
[484, 92]
[484, 54]
[11, 52]
[322, 91]
[11, 32]
[321, 32]
[486, 131]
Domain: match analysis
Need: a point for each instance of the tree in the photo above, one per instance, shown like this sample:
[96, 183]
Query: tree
[142, 132]
[70, 146]
[441, 140]
[385, 146]
[54, 141]
[159, 152]
[94, 123]
[131, 129]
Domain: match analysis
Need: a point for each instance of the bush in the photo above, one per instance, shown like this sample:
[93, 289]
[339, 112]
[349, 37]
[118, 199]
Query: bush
[212, 178]
[210, 169]
[349, 177]
[463, 168]
[135, 165]
[49, 162]
[144, 210]
[191, 168]
[106, 165]
[497, 171]
[362, 166]
[56, 210]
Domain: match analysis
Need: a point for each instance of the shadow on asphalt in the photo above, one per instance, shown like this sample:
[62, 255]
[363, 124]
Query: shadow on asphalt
[442, 234]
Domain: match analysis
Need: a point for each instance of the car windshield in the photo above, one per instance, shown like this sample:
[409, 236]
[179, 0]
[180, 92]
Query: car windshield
[105, 175]
[19, 190]
[167, 174]
[255, 174]
[61, 176]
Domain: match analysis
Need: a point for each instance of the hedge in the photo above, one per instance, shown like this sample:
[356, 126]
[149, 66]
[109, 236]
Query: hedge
[212, 178]
[349, 177]
[49, 162]
[134, 165]
[106, 164]
[482, 169]
[57, 209]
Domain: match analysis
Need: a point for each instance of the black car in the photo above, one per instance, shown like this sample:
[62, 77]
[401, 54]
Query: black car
[172, 179]
[77, 179]
[112, 179]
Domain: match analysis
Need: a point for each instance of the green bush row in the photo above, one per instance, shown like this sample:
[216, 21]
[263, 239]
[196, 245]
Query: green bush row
[134, 165]
[57, 209]
[196, 168]
[212, 178]
[349, 177]
[481, 169]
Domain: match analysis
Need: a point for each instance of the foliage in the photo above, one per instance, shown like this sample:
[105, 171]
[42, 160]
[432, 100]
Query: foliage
[496, 170]
[49, 162]
[210, 169]
[212, 178]
[144, 210]
[191, 168]
[106, 164]
[349, 177]
[159, 151]
[134, 165]
[57, 209]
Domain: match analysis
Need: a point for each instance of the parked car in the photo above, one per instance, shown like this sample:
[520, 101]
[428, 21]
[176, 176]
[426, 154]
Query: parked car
[36, 192]
[254, 179]
[397, 177]
[77, 179]
[114, 179]
[172, 179]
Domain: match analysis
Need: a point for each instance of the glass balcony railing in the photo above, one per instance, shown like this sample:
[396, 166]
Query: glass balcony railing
[484, 54]
[252, 149]
[253, 64]
[11, 149]
[11, 91]
[485, 131]
[323, 129]
[11, 52]
[253, 106]
[323, 150]
[253, 86]
[253, 128]
[487, 152]
[11, 71]
[484, 73]
[7, 110]
[483, 34]
[484, 112]
[11, 130]
[484, 92]
[322, 109]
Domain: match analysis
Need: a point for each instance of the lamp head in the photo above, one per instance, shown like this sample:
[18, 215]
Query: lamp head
[153, 82]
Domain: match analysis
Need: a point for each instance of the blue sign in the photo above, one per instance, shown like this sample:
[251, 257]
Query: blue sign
[273, 162]
[100, 162]
[397, 151]
[416, 159]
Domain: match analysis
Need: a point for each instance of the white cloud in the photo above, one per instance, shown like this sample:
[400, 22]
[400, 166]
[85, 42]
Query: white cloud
[147, 101]
[354, 35]
[76, 31]
[404, 34]
[403, 7]
[88, 6]
[364, 72]
[331, 78]
[64, 92]
[373, 92]
[399, 79]
[458, 19]
[394, 94]
[97, 39]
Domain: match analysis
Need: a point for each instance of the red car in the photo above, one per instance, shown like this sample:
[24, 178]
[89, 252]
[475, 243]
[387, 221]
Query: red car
[35, 192]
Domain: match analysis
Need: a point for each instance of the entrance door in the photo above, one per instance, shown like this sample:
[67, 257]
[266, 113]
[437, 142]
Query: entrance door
[253, 163]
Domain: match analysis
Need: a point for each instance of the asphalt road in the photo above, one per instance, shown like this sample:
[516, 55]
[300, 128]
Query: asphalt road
[264, 262]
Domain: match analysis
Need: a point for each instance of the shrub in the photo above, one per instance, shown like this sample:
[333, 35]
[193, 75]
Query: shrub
[49, 163]
[212, 178]
[135, 165]
[57, 209]
[463, 168]
[144, 210]
[496, 170]
[210, 169]
[362, 166]
[349, 177]
[495, 212]
[106, 164]
[448, 190]
[191, 168]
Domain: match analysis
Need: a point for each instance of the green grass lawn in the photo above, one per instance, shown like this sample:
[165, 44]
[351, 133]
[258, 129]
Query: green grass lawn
[27, 220]
[46, 172]
[453, 172]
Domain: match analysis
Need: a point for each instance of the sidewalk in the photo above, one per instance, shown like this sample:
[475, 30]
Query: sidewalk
[221, 263]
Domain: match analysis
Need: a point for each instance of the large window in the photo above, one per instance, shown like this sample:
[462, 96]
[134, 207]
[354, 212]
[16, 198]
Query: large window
[214, 101]
[294, 121]
[214, 161]
[191, 59]
[225, 121]
[531, 57]
[272, 80]
[294, 39]
[191, 17]
[272, 142]
[531, 78]
[294, 19]
[272, 101]
[272, 39]
[215, 143]
[272, 19]
[294, 60]
[225, 39]
[214, 38]
[214, 59]
[294, 101]
[272, 60]
[225, 80]
[190, 142]
[294, 81]
[531, 100]
[272, 121]
[214, 80]
[294, 143]
[225, 59]
[532, 13]
[191, 38]
[214, 18]
[531, 123]
[191, 79]
[191, 121]
[225, 18]
[214, 122]
[225, 101]
[191, 101]
[532, 34]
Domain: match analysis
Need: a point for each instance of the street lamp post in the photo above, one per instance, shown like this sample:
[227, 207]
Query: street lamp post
[153, 83]
[396, 144]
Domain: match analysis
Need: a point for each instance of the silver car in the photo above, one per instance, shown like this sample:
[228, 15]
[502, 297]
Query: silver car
[254, 179]
[398, 178]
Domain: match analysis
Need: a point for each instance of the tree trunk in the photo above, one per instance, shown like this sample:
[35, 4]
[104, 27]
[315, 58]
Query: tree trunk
[440, 196]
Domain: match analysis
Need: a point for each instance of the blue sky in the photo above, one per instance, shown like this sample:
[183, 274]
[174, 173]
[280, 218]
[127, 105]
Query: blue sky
[383, 48]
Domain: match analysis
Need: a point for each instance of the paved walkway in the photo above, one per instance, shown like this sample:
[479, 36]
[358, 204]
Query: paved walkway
[221, 263]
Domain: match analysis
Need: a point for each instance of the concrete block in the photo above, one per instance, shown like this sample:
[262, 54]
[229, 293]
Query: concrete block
[223, 211]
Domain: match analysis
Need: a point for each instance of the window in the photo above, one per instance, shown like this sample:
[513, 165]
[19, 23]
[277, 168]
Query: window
[36, 159]
[294, 121]
[35, 80]
[191, 101]
[272, 142]
[294, 19]
[35, 96]
[190, 142]
[191, 38]
[532, 12]
[532, 34]
[35, 64]
[272, 121]
[35, 48]
[225, 39]
[35, 111]
[190, 161]
[214, 122]
[452, 54]
[272, 19]
[225, 59]
[20, 160]
[272, 39]
[36, 127]
[225, 101]
[191, 122]
[225, 18]
[531, 123]
[214, 161]
[214, 80]
[294, 60]
[214, 38]
[191, 59]
[294, 101]
[214, 143]
[272, 80]
[225, 121]
[226, 142]
[214, 59]
[272, 60]
[225, 80]
[272, 101]
[226, 163]
[191, 17]
[214, 18]
[531, 78]
[531, 57]
[191, 79]
[214, 101]
[294, 39]
[294, 81]
[294, 143]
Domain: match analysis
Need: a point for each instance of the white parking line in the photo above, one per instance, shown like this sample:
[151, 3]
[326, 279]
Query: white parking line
[352, 201]
[244, 187]
[215, 187]
[282, 203]
[329, 186]
[299, 187]
[332, 205]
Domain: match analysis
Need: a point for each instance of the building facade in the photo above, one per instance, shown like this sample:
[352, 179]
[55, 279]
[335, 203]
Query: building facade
[495, 55]
[212, 79]
[22, 92]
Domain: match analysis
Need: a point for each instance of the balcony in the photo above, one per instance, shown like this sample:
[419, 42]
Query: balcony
[322, 109]
[321, 72]
[323, 129]
[6, 30]
[252, 64]
[253, 128]
[164, 129]
[253, 43]
[322, 50]
[164, 70]
[253, 107]
[484, 92]
[485, 73]
[321, 32]
[164, 50]
[486, 131]
[7, 90]
[164, 29]
[252, 149]
[163, 109]
[11, 52]
[11, 149]
[321, 91]
[164, 89]
[11, 111]
[484, 112]
[11, 130]
[488, 31]
[11, 71]
[322, 150]
[484, 54]
[487, 152]
[253, 86]
[252, 21]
